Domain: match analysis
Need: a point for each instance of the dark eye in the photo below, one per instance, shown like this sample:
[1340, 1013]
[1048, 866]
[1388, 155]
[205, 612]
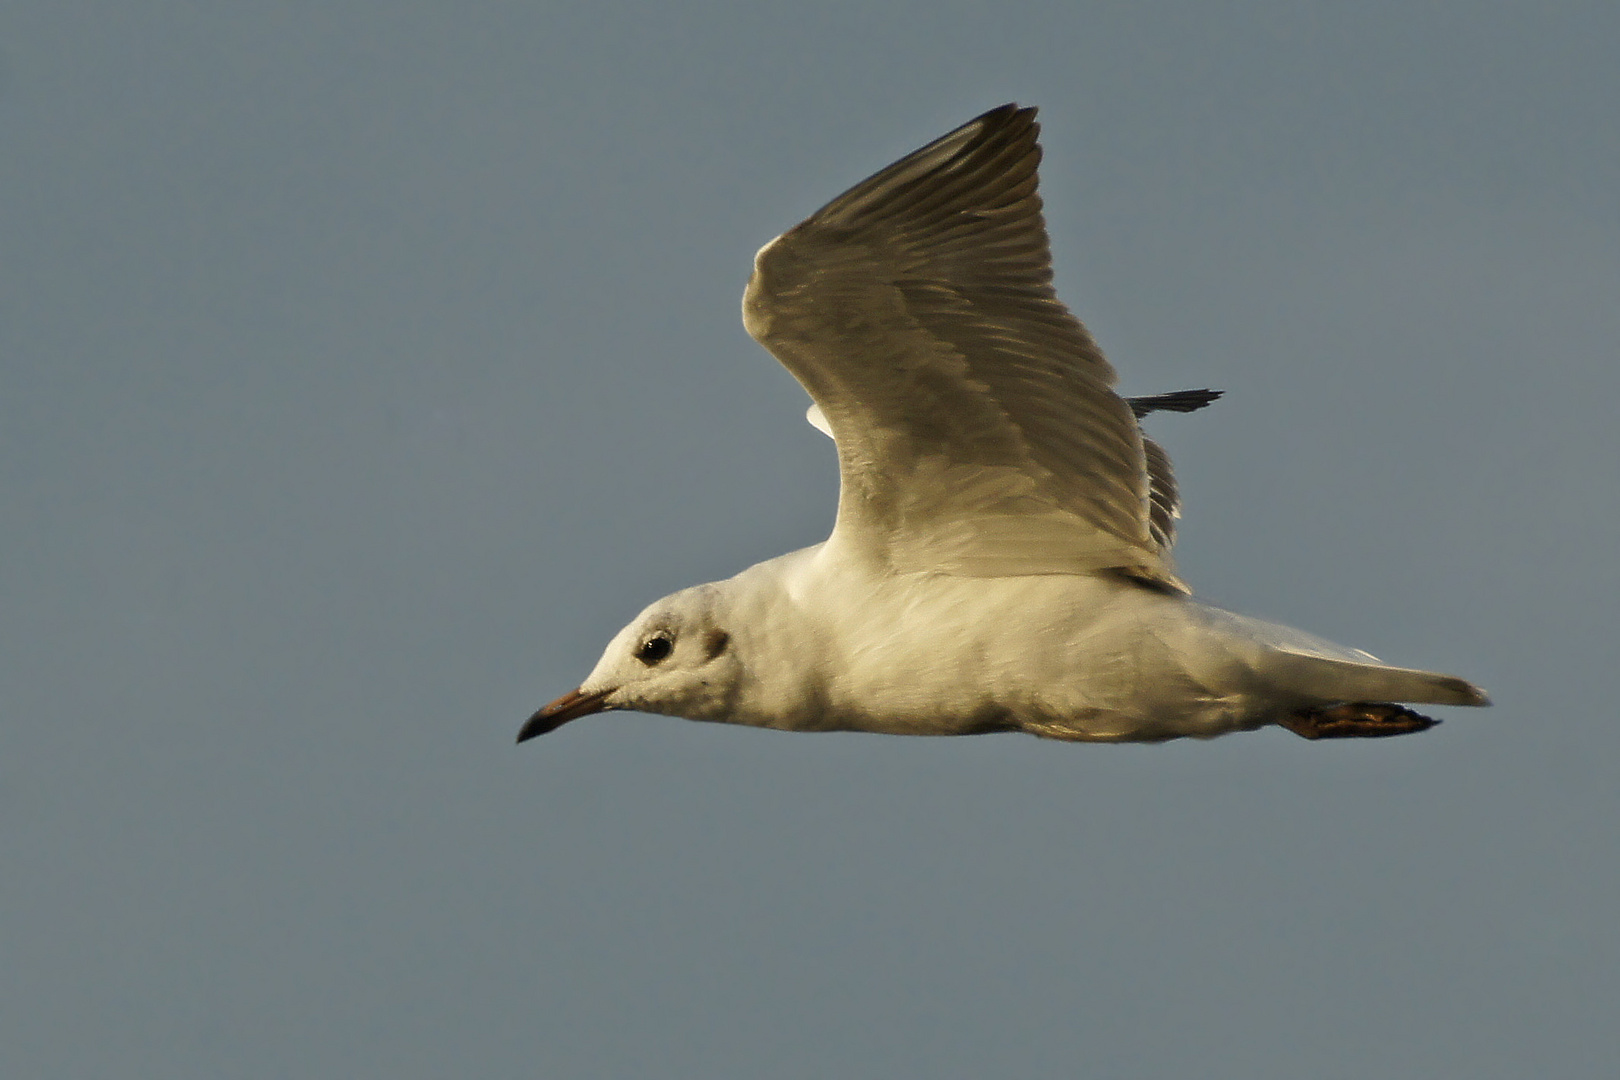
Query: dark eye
[655, 649]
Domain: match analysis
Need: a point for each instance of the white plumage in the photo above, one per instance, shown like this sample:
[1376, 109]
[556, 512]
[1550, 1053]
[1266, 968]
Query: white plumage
[1001, 555]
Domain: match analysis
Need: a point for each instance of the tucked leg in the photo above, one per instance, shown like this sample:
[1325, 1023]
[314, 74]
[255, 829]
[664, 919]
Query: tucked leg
[1356, 720]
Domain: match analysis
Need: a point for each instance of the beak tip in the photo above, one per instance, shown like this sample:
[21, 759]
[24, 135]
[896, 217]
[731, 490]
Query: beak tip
[568, 707]
[538, 725]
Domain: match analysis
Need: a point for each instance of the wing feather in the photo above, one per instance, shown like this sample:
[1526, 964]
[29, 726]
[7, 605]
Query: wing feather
[976, 426]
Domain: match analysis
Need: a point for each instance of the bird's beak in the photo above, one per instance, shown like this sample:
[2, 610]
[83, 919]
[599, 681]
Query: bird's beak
[570, 706]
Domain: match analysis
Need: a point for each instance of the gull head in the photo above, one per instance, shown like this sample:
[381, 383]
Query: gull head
[677, 658]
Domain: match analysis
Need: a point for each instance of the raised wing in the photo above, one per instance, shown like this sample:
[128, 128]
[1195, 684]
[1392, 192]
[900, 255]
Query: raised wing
[977, 432]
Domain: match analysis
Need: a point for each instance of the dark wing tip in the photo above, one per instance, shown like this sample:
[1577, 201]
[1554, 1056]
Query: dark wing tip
[1001, 115]
[1183, 401]
[977, 150]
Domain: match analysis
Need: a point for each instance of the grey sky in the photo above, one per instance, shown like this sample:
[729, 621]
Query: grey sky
[363, 366]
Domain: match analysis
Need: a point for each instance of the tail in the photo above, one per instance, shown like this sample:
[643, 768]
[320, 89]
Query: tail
[1355, 699]
[1322, 680]
[1318, 672]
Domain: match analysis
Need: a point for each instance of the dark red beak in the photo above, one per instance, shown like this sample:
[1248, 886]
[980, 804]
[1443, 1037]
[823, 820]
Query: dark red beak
[570, 706]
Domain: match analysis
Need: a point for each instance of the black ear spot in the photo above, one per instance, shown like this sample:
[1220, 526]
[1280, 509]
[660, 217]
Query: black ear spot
[715, 642]
[655, 648]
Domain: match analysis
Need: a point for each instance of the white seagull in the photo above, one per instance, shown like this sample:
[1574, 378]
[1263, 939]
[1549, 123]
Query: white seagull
[1001, 556]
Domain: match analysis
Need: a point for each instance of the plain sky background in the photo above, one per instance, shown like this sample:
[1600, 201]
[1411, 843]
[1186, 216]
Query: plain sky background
[364, 366]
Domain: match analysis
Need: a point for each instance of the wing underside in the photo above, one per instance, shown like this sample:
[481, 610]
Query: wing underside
[977, 429]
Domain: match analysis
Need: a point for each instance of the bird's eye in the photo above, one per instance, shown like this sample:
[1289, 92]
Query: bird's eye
[655, 649]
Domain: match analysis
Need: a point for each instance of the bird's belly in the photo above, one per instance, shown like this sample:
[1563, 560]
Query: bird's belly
[1078, 708]
[1103, 665]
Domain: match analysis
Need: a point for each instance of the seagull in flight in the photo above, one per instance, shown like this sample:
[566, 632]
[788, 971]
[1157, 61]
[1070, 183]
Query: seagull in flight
[1000, 559]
